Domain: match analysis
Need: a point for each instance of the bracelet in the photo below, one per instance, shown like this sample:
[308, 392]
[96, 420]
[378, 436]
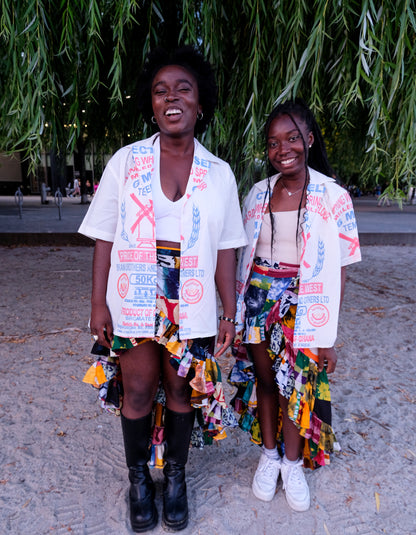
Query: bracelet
[231, 320]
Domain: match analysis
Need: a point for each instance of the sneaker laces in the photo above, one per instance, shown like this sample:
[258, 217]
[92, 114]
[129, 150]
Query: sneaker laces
[270, 467]
[296, 475]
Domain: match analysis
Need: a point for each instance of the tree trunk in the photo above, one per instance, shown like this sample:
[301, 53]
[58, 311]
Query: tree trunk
[58, 171]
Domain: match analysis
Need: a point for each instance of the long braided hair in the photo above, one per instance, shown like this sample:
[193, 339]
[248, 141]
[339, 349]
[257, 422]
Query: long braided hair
[316, 156]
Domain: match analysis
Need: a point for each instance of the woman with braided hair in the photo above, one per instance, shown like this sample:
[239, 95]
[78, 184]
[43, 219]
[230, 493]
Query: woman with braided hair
[290, 282]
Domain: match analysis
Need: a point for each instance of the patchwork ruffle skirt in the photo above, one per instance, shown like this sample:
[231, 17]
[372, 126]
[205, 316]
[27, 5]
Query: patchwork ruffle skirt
[193, 359]
[271, 302]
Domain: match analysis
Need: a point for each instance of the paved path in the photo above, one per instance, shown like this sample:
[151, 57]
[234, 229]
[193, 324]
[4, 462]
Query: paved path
[40, 223]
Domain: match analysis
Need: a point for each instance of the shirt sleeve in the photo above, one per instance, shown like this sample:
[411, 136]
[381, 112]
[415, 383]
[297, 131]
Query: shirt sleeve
[233, 234]
[347, 230]
[100, 222]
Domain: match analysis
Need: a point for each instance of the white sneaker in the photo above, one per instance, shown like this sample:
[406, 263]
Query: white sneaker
[265, 478]
[296, 487]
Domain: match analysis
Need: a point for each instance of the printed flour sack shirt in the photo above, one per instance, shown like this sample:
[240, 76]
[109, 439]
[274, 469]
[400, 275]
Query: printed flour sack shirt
[329, 240]
[122, 212]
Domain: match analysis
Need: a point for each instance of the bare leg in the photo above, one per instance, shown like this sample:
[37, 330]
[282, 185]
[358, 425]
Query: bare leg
[140, 368]
[267, 394]
[177, 389]
[293, 440]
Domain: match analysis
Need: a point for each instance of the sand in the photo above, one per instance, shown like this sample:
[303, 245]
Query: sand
[62, 460]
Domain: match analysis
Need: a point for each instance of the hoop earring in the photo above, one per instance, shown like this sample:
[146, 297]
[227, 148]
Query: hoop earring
[200, 116]
[153, 119]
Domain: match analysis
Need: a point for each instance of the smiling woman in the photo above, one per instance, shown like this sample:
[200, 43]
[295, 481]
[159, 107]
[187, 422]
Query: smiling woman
[201, 73]
[167, 221]
[175, 101]
[290, 280]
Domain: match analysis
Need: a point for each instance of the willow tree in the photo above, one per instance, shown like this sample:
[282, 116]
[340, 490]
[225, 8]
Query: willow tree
[352, 61]
[67, 72]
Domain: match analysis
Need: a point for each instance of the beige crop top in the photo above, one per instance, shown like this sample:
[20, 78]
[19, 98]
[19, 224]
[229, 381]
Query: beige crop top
[284, 247]
[167, 213]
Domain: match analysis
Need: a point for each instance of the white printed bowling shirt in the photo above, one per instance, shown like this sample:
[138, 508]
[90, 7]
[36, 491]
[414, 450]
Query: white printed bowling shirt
[121, 212]
[329, 241]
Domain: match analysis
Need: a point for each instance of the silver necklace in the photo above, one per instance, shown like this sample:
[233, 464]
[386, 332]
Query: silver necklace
[290, 193]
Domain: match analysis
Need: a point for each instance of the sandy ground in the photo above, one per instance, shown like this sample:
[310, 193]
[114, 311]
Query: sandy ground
[61, 457]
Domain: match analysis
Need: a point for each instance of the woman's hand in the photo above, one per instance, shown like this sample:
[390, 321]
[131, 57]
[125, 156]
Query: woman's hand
[327, 358]
[327, 355]
[226, 333]
[225, 280]
[101, 324]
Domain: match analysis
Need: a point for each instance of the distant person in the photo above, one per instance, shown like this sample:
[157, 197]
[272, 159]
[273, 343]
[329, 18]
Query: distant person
[43, 193]
[167, 220]
[290, 278]
[68, 189]
[88, 187]
[411, 196]
[77, 190]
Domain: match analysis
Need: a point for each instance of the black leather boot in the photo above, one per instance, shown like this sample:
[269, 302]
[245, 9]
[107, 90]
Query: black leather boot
[178, 429]
[143, 512]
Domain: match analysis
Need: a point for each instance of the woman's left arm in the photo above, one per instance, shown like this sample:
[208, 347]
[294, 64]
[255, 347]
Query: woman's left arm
[327, 355]
[225, 281]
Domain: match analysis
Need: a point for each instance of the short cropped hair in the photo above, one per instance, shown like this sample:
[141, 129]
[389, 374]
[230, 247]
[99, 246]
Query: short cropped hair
[194, 62]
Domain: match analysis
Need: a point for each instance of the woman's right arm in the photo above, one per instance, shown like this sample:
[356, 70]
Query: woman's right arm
[101, 323]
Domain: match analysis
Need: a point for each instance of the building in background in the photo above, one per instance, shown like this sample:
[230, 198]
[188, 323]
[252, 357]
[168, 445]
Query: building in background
[14, 173]
[10, 173]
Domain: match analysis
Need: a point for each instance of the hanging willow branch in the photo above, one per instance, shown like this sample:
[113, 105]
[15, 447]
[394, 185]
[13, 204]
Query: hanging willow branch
[353, 62]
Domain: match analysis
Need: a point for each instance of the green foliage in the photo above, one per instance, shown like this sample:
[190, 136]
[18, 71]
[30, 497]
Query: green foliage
[63, 72]
[73, 65]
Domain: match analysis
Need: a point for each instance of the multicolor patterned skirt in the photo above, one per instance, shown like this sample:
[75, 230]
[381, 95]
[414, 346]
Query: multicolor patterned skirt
[193, 359]
[271, 302]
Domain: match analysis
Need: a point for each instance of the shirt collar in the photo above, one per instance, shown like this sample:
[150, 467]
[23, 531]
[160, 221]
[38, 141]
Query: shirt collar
[315, 178]
[199, 150]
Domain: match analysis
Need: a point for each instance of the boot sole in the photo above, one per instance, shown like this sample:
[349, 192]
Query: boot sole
[174, 526]
[144, 528]
[141, 528]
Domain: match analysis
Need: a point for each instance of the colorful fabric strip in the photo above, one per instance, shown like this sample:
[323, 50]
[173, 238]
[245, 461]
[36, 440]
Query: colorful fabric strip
[271, 302]
[193, 358]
